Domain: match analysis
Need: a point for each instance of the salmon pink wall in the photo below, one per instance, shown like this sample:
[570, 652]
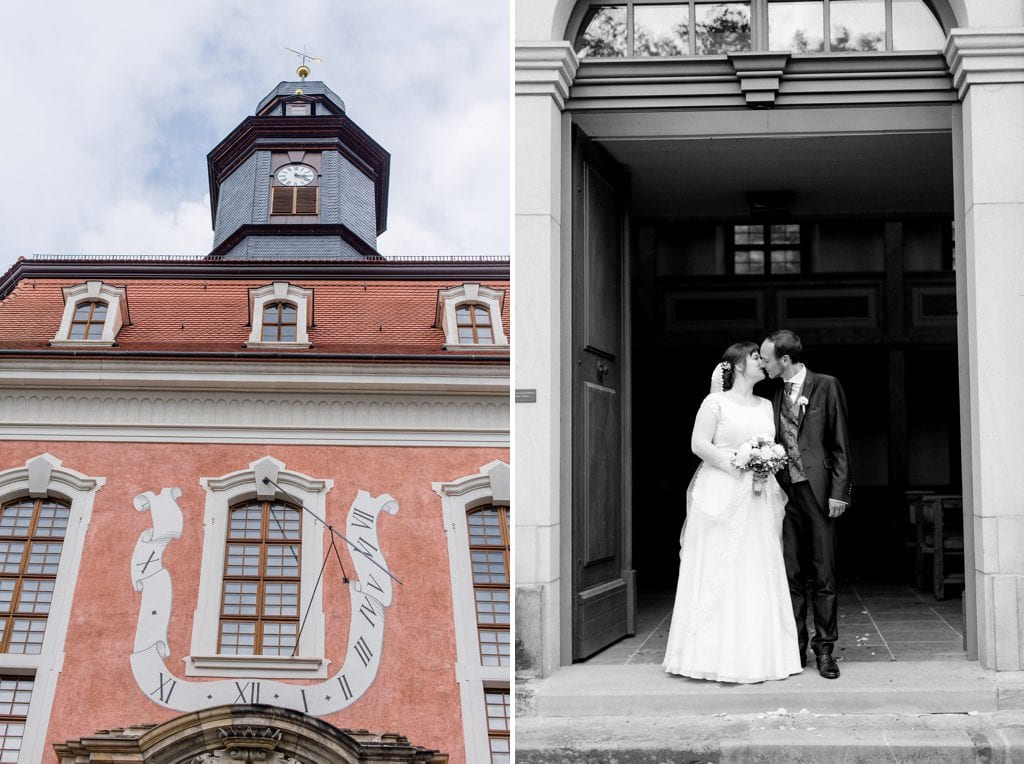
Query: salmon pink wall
[415, 692]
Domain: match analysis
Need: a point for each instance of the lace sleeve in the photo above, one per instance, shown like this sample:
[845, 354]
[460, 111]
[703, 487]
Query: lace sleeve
[704, 427]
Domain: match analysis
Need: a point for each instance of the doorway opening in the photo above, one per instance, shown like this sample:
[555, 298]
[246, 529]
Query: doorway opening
[846, 240]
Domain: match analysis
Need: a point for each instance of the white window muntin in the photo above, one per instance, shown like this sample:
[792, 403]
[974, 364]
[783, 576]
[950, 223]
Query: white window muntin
[221, 494]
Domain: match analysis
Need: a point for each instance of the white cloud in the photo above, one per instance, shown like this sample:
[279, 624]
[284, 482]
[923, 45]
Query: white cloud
[116, 103]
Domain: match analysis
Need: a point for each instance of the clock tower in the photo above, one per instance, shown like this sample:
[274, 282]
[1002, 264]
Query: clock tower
[299, 180]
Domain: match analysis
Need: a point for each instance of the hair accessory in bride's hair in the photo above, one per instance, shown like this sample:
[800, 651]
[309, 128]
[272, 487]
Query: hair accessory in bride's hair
[718, 375]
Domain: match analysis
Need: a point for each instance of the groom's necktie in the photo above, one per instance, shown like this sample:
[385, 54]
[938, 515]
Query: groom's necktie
[788, 419]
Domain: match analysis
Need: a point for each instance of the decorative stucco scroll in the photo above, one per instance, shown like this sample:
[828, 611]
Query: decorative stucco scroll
[370, 594]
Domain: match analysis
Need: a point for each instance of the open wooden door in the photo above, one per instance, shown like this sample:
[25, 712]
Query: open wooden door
[603, 583]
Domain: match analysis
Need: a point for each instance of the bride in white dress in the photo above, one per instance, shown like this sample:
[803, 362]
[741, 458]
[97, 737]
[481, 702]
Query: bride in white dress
[733, 618]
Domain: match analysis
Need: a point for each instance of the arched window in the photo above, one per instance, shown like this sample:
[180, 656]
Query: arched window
[280, 323]
[474, 324]
[262, 570]
[696, 27]
[31, 539]
[488, 551]
[88, 320]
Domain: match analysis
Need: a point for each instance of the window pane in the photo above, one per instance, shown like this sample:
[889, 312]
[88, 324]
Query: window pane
[489, 567]
[16, 519]
[287, 334]
[283, 560]
[281, 599]
[483, 316]
[53, 519]
[492, 606]
[465, 334]
[604, 32]
[243, 560]
[288, 313]
[7, 593]
[43, 558]
[240, 598]
[785, 234]
[796, 26]
[237, 637]
[722, 27]
[914, 27]
[494, 648]
[484, 528]
[748, 234]
[749, 262]
[15, 693]
[661, 30]
[246, 521]
[500, 753]
[270, 314]
[82, 311]
[279, 638]
[284, 523]
[857, 25]
[10, 556]
[27, 636]
[99, 311]
[36, 595]
[498, 710]
[77, 332]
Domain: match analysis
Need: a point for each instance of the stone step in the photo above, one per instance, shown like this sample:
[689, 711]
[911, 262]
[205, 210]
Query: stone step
[773, 737]
[935, 687]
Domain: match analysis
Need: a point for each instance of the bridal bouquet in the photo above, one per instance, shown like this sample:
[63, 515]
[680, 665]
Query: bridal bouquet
[763, 456]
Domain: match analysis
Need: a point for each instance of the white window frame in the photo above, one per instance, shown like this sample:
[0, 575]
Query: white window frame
[117, 309]
[280, 291]
[44, 476]
[491, 485]
[221, 494]
[450, 299]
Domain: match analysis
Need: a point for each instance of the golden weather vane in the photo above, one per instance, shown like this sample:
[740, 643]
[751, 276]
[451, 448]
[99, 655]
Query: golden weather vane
[303, 70]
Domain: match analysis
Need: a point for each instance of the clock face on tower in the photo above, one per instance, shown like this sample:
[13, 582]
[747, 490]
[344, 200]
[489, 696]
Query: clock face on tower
[296, 175]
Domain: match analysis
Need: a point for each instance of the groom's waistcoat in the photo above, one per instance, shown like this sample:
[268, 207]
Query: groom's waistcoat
[790, 427]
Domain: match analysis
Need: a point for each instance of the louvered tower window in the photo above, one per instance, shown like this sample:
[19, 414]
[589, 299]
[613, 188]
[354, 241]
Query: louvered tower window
[489, 550]
[260, 603]
[31, 540]
[295, 201]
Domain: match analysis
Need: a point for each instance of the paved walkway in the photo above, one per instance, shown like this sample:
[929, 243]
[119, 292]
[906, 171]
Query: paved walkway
[876, 623]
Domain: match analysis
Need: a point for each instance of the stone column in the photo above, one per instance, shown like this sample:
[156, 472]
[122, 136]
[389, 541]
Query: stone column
[988, 72]
[544, 71]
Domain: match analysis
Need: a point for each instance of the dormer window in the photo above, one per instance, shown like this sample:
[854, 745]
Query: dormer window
[470, 315]
[282, 314]
[297, 109]
[94, 313]
[279, 322]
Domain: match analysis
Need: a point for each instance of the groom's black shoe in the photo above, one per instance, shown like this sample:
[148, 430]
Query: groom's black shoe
[803, 660]
[827, 665]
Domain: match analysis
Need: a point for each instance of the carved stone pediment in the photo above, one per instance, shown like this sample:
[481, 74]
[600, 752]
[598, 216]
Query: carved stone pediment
[243, 734]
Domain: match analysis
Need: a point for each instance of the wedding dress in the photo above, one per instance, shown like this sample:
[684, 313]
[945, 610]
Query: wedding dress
[733, 618]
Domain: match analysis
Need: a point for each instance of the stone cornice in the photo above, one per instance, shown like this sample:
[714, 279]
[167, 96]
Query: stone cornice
[546, 68]
[985, 57]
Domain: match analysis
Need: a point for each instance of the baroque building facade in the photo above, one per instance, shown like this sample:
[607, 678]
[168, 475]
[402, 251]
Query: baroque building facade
[256, 502]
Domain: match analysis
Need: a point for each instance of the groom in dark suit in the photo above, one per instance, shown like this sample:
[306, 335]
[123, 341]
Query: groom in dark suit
[810, 422]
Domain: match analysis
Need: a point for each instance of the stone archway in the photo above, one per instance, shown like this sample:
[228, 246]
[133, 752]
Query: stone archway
[243, 733]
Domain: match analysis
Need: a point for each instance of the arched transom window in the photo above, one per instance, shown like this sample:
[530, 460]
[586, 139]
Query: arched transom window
[280, 322]
[696, 28]
[488, 549]
[31, 539]
[88, 319]
[260, 603]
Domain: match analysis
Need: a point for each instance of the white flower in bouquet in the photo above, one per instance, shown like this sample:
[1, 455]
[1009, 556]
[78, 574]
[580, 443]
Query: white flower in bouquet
[766, 453]
[778, 451]
[742, 458]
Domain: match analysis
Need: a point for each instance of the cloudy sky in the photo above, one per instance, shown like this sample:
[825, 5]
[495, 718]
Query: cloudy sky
[112, 105]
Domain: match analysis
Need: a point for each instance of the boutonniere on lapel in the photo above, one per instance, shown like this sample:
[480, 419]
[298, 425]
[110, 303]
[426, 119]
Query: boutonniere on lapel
[802, 403]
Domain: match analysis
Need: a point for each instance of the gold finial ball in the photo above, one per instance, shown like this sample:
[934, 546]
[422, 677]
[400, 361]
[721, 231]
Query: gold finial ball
[298, 91]
[302, 71]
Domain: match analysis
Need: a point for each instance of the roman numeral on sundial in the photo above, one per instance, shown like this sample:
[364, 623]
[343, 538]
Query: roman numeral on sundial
[365, 548]
[369, 611]
[253, 688]
[165, 688]
[345, 689]
[364, 651]
[362, 519]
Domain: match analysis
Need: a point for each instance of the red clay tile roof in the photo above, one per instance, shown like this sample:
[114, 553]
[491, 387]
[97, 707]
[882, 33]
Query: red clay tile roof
[390, 317]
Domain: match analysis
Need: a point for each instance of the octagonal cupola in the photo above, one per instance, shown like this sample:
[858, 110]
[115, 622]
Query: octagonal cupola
[298, 180]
